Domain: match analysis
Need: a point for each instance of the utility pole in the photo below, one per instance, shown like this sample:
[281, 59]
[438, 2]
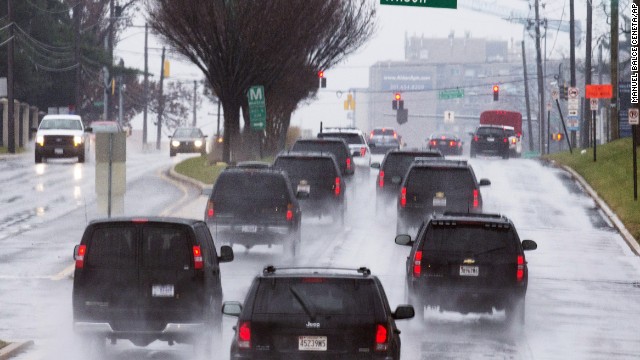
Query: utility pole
[77, 16]
[195, 100]
[572, 56]
[586, 128]
[111, 39]
[613, 118]
[11, 146]
[160, 101]
[526, 97]
[146, 85]
[540, 79]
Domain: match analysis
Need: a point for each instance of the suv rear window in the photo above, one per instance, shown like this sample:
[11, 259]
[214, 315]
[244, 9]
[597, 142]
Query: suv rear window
[472, 238]
[307, 168]
[397, 164]
[427, 181]
[112, 248]
[490, 131]
[319, 295]
[254, 188]
[165, 248]
[348, 137]
[335, 148]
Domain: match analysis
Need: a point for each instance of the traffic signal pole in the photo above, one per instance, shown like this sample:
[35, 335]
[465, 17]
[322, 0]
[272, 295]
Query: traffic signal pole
[566, 136]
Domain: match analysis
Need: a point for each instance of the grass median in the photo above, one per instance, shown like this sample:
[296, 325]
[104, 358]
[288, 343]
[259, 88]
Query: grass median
[611, 176]
[3, 344]
[199, 168]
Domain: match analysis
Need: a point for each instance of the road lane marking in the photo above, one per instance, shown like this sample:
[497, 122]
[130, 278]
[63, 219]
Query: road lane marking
[64, 273]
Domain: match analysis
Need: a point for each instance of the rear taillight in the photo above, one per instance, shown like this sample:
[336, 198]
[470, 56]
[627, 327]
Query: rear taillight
[417, 263]
[289, 212]
[244, 335]
[403, 197]
[452, 143]
[336, 187]
[433, 143]
[81, 250]
[513, 141]
[476, 200]
[520, 268]
[198, 264]
[348, 164]
[475, 138]
[505, 139]
[363, 151]
[381, 338]
[381, 179]
[210, 210]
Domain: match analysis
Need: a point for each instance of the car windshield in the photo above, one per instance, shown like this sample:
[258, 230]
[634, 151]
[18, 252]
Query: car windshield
[425, 182]
[348, 137]
[322, 296]
[187, 133]
[397, 164]
[469, 238]
[490, 131]
[62, 124]
[313, 170]
[250, 188]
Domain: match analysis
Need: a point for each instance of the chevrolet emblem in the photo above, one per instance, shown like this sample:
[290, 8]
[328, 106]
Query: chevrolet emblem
[469, 261]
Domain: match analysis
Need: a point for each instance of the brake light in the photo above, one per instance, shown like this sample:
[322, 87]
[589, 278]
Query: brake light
[348, 164]
[434, 143]
[198, 264]
[417, 263]
[289, 212]
[381, 179]
[520, 268]
[403, 197]
[210, 210]
[452, 143]
[505, 140]
[395, 135]
[81, 250]
[475, 138]
[363, 151]
[513, 141]
[381, 338]
[336, 187]
[244, 335]
[476, 200]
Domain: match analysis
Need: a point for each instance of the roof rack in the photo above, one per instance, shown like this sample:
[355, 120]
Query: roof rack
[271, 269]
[441, 161]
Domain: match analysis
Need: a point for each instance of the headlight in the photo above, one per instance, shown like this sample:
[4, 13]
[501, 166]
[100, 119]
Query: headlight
[198, 143]
[175, 143]
[40, 140]
[77, 140]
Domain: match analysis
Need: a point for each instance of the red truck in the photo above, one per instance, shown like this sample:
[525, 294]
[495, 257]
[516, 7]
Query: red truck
[503, 117]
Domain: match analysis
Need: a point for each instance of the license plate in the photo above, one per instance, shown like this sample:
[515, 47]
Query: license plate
[304, 188]
[162, 291]
[249, 228]
[466, 270]
[439, 201]
[312, 343]
[443, 143]
[490, 139]
[58, 151]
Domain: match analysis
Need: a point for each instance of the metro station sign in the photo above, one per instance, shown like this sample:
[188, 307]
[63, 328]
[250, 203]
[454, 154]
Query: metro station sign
[448, 4]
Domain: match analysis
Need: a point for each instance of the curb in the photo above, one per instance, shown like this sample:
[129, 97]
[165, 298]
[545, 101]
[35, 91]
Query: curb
[626, 235]
[14, 348]
[190, 181]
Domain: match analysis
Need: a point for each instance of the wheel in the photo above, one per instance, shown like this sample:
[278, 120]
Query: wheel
[81, 158]
[38, 158]
[505, 155]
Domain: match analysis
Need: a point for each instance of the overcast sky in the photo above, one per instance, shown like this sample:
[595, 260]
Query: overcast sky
[387, 44]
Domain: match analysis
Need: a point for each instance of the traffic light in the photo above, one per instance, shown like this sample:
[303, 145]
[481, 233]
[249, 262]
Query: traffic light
[564, 92]
[322, 79]
[397, 103]
[496, 92]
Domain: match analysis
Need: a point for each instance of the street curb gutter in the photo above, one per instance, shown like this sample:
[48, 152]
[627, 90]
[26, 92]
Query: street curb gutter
[14, 348]
[202, 186]
[626, 235]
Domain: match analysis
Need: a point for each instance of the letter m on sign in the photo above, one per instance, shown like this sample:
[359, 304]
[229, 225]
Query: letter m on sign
[256, 93]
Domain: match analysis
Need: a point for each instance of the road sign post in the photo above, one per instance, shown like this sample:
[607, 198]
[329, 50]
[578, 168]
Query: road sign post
[593, 105]
[563, 126]
[634, 117]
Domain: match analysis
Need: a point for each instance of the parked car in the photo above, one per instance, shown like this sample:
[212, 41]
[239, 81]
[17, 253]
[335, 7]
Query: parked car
[318, 182]
[468, 263]
[437, 186]
[188, 140]
[490, 140]
[448, 144]
[146, 279]
[254, 205]
[61, 136]
[316, 313]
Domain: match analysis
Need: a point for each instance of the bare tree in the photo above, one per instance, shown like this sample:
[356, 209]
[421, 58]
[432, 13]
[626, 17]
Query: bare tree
[279, 44]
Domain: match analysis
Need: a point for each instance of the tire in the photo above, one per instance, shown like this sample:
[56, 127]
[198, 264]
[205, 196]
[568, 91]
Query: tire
[38, 158]
[505, 155]
[81, 158]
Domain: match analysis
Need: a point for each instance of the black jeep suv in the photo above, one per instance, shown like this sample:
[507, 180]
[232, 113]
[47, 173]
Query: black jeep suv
[316, 313]
[254, 206]
[317, 182]
[437, 186]
[468, 263]
[147, 279]
[490, 140]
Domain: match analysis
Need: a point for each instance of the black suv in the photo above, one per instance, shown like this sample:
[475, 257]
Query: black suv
[317, 181]
[437, 186]
[490, 140]
[316, 313]
[393, 168]
[147, 279]
[338, 147]
[468, 263]
[254, 206]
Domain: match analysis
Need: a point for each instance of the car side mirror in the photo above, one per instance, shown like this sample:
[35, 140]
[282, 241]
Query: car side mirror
[529, 245]
[484, 182]
[404, 312]
[375, 165]
[226, 254]
[232, 308]
[404, 239]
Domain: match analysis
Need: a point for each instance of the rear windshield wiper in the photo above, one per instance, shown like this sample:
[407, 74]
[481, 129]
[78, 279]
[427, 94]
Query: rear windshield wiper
[308, 308]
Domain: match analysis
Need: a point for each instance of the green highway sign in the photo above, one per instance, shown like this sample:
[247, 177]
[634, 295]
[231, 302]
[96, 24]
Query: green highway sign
[450, 94]
[448, 4]
[257, 108]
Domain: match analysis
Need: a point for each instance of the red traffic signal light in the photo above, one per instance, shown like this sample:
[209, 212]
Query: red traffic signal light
[321, 74]
[496, 92]
[398, 96]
